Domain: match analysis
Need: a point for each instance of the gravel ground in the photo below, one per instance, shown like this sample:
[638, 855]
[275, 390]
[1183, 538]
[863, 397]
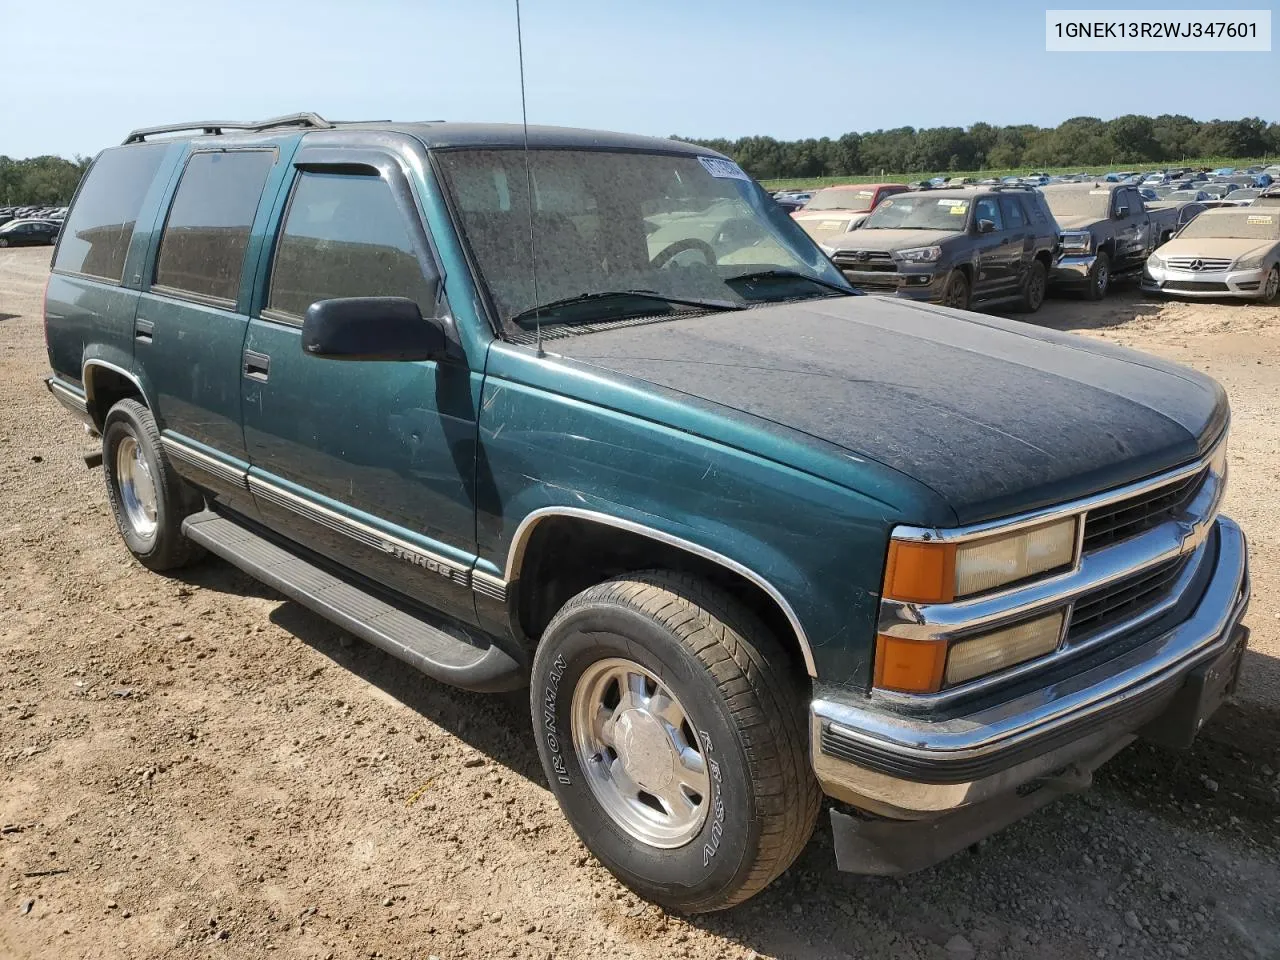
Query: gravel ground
[192, 767]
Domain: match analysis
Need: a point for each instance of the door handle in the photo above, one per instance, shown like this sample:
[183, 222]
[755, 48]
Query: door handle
[143, 330]
[256, 365]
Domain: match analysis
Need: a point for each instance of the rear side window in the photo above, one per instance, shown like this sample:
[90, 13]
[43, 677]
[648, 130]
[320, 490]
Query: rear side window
[202, 249]
[95, 238]
[344, 236]
[1013, 214]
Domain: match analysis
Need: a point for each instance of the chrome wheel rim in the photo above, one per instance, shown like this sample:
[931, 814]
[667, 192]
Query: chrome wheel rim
[1104, 275]
[1036, 293]
[1273, 285]
[137, 488]
[640, 753]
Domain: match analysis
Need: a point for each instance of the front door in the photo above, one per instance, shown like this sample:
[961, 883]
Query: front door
[369, 463]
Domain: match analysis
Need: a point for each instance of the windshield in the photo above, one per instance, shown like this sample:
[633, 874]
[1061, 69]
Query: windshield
[841, 198]
[918, 212]
[1185, 195]
[680, 226]
[1245, 224]
[1094, 202]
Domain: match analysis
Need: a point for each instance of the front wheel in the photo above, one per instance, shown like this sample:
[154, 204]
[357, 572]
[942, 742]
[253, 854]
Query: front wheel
[1099, 279]
[1271, 285]
[956, 293]
[674, 737]
[3, 242]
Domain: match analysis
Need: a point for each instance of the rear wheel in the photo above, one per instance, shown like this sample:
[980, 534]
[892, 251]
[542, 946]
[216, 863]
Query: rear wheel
[3, 242]
[956, 293]
[148, 500]
[1099, 279]
[1033, 287]
[673, 734]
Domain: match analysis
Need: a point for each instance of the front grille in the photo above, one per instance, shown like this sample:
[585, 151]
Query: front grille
[1198, 263]
[1195, 286]
[1122, 600]
[873, 260]
[1134, 515]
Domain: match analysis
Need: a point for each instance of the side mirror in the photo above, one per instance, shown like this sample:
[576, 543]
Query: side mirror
[986, 226]
[371, 328]
[1122, 212]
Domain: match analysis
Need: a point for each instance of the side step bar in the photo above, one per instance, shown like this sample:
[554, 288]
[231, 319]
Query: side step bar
[438, 648]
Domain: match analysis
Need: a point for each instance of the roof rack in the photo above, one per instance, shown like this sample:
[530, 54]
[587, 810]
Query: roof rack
[309, 120]
[1008, 186]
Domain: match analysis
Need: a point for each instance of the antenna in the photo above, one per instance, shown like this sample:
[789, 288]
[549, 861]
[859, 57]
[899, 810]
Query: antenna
[528, 176]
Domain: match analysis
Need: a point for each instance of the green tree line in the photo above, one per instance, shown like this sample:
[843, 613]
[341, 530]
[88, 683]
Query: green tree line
[1133, 140]
[45, 181]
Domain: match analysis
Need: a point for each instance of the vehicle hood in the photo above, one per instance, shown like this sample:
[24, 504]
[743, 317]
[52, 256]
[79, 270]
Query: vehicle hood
[1217, 247]
[893, 239]
[1078, 223]
[993, 415]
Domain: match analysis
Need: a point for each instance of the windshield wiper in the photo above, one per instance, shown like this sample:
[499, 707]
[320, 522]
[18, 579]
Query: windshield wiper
[623, 295]
[788, 275]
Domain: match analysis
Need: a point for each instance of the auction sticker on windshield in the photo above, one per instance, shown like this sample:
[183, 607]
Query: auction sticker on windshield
[1260, 220]
[724, 169]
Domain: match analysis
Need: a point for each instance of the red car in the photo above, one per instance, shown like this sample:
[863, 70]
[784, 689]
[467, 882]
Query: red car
[837, 209]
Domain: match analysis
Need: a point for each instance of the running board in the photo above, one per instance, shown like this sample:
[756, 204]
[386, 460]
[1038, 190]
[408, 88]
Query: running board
[441, 650]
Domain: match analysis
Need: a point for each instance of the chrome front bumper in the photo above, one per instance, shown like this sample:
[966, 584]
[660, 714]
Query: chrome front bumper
[1072, 269]
[906, 767]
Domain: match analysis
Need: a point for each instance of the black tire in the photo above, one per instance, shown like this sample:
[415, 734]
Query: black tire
[748, 711]
[3, 242]
[1099, 280]
[956, 293]
[1271, 285]
[1034, 286]
[165, 548]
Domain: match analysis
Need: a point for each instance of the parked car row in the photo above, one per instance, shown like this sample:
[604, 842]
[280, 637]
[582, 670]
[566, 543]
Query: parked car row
[32, 213]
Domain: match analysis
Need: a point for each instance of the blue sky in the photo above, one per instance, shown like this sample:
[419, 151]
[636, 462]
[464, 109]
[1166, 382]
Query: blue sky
[81, 73]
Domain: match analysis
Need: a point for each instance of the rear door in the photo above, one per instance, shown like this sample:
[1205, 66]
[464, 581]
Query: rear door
[191, 318]
[1020, 237]
[369, 463]
[995, 267]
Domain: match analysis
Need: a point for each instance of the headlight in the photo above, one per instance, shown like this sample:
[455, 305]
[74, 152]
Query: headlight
[939, 571]
[1077, 241]
[919, 254]
[1249, 263]
[1155, 261]
[969, 659]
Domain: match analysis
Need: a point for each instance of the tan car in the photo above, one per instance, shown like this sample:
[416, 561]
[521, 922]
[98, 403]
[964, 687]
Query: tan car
[835, 210]
[1225, 252]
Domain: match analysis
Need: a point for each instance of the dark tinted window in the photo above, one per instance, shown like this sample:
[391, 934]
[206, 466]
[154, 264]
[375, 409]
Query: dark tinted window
[202, 250]
[100, 224]
[344, 236]
[986, 208]
[1013, 214]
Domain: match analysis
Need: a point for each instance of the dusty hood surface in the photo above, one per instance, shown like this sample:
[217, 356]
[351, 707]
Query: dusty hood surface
[996, 416]
[865, 239]
[1216, 247]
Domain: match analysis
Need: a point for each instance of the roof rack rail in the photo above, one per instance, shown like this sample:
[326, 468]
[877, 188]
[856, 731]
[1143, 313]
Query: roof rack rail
[310, 120]
[1009, 186]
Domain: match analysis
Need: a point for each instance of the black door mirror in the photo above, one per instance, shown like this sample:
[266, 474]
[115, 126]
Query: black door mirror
[1122, 212]
[371, 328]
[986, 226]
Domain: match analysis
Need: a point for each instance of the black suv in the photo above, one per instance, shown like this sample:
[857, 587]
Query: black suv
[957, 247]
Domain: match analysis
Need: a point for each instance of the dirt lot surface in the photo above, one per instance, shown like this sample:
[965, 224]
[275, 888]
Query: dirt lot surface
[191, 767]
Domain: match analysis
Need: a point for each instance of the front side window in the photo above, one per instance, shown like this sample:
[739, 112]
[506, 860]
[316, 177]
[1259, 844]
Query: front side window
[988, 209]
[610, 225]
[344, 236]
[202, 248]
[99, 225]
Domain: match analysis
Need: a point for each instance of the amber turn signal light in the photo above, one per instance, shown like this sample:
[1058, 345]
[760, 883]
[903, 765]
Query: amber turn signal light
[909, 666]
[920, 572]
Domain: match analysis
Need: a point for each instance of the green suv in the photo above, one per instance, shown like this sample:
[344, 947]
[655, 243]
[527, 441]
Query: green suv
[589, 413]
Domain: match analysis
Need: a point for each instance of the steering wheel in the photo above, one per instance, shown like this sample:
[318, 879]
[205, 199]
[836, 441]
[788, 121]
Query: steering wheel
[665, 257]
